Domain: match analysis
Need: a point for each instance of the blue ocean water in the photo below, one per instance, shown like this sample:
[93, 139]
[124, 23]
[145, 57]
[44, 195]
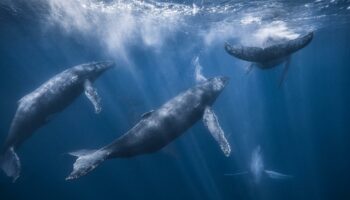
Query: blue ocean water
[301, 127]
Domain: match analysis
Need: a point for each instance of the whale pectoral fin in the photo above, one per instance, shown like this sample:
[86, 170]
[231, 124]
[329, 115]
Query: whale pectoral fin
[92, 95]
[249, 68]
[284, 73]
[10, 164]
[200, 78]
[211, 122]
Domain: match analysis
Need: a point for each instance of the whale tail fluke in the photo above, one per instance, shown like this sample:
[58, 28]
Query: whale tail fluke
[87, 160]
[10, 164]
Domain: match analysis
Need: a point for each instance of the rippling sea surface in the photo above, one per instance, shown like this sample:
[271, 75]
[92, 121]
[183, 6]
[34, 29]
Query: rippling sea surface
[301, 129]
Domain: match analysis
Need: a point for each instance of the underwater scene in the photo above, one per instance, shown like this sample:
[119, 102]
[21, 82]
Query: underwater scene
[175, 99]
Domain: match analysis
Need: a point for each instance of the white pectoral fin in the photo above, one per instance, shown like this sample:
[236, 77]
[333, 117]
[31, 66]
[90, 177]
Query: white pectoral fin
[198, 71]
[277, 175]
[249, 68]
[211, 122]
[93, 96]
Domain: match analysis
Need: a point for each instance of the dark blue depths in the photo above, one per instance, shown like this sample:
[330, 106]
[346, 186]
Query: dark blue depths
[303, 127]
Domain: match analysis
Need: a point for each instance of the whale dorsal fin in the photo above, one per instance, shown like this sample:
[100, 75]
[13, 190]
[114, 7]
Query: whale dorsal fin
[92, 95]
[211, 122]
[147, 114]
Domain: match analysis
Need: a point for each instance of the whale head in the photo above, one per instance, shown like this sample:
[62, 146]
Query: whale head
[217, 84]
[93, 70]
[212, 87]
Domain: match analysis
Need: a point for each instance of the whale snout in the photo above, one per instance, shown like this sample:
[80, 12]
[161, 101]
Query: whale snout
[104, 65]
[219, 83]
[233, 50]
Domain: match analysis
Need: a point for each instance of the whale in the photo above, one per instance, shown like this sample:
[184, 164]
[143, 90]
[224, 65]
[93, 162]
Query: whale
[37, 108]
[158, 128]
[257, 170]
[271, 55]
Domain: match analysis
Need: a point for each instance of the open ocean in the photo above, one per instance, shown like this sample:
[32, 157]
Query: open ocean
[302, 127]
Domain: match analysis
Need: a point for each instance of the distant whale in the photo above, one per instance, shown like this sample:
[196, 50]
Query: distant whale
[270, 56]
[35, 109]
[257, 169]
[158, 128]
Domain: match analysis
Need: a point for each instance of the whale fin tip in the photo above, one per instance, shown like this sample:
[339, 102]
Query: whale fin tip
[10, 164]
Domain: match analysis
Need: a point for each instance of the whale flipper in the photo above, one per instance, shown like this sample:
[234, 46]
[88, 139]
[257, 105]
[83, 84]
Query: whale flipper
[211, 122]
[285, 71]
[87, 161]
[93, 96]
[198, 71]
[10, 164]
[277, 175]
[249, 68]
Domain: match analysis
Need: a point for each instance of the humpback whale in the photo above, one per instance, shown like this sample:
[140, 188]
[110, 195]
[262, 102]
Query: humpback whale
[158, 128]
[35, 109]
[271, 55]
[257, 169]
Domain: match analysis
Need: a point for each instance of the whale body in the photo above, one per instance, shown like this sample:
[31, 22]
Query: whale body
[158, 128]
[269, 56]
[37, 108]
[264, 56]
[257, 171]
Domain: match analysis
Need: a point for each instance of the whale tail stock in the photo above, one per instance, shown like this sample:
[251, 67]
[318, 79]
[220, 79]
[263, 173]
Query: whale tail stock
[10, 164]
[87, 160]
